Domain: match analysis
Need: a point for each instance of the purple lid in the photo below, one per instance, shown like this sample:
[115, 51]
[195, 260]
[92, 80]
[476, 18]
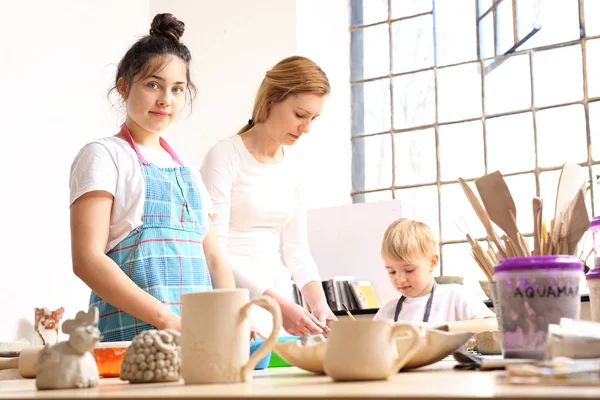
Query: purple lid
[595, 222]
[593, 274]
[539, 262]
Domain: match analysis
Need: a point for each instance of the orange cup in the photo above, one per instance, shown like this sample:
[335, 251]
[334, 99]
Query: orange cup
[109, 356]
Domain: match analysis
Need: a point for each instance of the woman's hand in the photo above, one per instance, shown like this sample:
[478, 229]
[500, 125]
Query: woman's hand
[324, 314]
[298, 320]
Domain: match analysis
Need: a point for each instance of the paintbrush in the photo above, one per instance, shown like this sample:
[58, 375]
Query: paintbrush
[348, 312]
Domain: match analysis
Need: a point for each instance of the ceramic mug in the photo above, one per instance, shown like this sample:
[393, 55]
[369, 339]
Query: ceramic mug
[367, 350]
[215, 335]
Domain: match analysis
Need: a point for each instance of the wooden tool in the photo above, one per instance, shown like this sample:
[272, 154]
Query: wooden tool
[25, 363]
[569, 182]
[348, 312]
[578, 222]
[543, 239]
[479, 255]
[483, 217]
[537, 206]
[500, 206]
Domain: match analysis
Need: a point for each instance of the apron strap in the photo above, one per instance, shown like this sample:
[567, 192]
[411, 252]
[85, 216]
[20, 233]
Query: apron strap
[125, 131]
[427, 307]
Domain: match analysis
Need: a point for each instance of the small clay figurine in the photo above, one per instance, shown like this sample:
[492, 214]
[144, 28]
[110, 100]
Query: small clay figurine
[71, 364]
[153, 356]
[46, 324]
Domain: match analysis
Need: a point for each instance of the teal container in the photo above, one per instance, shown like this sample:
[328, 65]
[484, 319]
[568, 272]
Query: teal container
[264, 362]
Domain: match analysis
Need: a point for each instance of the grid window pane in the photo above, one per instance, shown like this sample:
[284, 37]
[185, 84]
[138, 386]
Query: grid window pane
[595, 187]
[548, 186]
[461, 151]
[594, 109]
[455, 31]
[421, 204]
[561, 136]
[376, 152]
[455, 206]
[522, 189]
[368, 12]
[504, 21]
[414, 152]
[592, 17]
[558, 76]
[412, 41]
[371, 107]
[484, 5]
[406, 8]
[370, 52]
[414, 100]
[559, 20]
[527, 17]
[486, 37]
[508, 87]
[510, 135]
[383, 195]
[459, 262]
[461, 82]
[592, 55]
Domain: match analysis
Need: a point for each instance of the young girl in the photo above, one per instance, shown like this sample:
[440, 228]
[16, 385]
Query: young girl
[256, 184]
[140, 218]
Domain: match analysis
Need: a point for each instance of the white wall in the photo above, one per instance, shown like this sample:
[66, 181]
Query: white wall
[57, 62]
[323, 36]
[56, 65]
[233, 43]
[346, 241]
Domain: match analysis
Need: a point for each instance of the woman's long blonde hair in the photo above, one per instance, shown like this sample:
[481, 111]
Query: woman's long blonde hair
[289, 76]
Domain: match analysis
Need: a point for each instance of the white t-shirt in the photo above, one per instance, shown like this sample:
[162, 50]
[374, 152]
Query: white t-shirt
[450, 303]
[260, 218]
[111, 164]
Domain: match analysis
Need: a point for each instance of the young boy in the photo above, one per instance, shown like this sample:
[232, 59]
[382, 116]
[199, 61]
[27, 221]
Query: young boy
[409, 251]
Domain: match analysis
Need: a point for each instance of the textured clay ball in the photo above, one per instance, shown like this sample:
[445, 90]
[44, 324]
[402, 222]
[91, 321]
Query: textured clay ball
[153, 356]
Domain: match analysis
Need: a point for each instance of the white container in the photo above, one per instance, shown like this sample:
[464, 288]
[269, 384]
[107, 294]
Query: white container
[593, 279]
[595, 229]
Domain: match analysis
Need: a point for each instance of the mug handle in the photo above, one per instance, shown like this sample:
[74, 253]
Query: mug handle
[415, 345]
[273, 307]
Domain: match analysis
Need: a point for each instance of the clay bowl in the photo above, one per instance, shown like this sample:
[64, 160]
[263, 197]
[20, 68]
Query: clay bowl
[489, 342]
[436, 346]
[309, 358]
[449, 280]
[487, 290]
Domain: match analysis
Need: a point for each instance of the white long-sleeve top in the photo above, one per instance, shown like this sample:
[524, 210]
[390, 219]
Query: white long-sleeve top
[260, 217]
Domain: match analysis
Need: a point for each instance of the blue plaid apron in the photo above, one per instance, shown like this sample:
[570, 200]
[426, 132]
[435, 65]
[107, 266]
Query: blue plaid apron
[164, 256]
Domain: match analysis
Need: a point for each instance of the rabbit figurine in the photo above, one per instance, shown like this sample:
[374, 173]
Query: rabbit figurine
[71, 363]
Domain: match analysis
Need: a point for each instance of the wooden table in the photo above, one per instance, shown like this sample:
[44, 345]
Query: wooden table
[435, 382]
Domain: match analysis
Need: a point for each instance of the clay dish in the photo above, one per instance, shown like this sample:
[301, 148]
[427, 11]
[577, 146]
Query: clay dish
[436, 346]
[309, 357]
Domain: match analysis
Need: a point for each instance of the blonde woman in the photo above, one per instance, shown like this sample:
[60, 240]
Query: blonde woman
[256, 186]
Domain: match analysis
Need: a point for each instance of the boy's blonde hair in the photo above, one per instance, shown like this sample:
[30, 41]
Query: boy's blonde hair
[405, 239]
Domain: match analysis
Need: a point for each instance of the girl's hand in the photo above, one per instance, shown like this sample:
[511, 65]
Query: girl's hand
[171, 321]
